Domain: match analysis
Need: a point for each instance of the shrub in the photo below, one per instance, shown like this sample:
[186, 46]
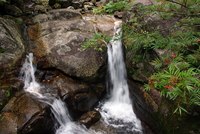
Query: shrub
[111, 7]
[97, 42]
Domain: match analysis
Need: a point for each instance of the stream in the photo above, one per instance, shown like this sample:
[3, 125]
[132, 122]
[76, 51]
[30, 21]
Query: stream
[116, 111]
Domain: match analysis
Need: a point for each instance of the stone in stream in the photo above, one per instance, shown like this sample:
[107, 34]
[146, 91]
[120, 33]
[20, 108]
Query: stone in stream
[90, 118]
[79, 96]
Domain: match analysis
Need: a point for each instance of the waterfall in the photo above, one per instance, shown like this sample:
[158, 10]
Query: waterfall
[58, 107]
[117, 111]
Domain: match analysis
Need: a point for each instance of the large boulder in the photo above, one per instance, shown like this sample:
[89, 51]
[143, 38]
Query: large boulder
[20, 113]
[11, 51]
[11, 44]
[79, 96]
[57, 39]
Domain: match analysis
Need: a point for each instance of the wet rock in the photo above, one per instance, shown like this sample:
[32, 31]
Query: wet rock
[85, 99]
[101, 126]
[18, 112]
[57, 38]
[80, 97]
[90, 118]
[145, 108]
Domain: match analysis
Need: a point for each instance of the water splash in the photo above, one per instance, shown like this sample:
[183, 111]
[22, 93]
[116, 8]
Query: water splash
[58, 107]
[118, 111]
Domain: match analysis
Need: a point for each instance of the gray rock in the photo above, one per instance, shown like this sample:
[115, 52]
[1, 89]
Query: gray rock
[57, 38]
[11, 44]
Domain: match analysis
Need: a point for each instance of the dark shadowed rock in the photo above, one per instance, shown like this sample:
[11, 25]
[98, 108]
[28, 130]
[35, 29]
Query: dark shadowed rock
[80, 97]
[18, 112]
[90, 118]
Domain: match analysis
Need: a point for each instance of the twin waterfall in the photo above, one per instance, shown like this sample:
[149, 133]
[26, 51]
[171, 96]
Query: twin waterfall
[117, 111]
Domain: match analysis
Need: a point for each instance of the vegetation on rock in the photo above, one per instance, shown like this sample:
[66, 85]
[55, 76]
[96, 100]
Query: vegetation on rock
[176, 40]
[111, 7]
[98, 42]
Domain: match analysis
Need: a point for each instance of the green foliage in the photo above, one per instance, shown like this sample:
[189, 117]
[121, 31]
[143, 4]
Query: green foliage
[177, 82]
[111, 7]
[177, 74]
[97, 42]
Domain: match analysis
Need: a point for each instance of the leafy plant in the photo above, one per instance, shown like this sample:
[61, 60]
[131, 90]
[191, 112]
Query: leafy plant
[111, 7]
[97, 42]
[178, 82]
[177, 74]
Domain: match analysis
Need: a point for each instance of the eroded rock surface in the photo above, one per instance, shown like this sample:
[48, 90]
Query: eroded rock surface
[11, 44]
[19, 112]
[57, 38]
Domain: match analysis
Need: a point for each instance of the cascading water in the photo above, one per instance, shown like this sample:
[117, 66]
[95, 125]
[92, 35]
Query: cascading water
[58, 107]
[118, 111]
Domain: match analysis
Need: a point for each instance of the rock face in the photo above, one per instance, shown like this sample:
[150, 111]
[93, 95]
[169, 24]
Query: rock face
[11, 44]
[11, 51]
[79, 96]
[19, 113]
[57, 38]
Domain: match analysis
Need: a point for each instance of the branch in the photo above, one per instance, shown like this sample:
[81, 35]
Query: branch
[177, 3]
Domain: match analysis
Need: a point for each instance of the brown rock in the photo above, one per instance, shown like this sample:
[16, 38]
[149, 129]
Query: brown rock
[57, 38]
[18, 112]
[89, 118]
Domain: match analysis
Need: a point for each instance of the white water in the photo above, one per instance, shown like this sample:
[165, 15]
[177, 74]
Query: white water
[118, 111]
[58, 107]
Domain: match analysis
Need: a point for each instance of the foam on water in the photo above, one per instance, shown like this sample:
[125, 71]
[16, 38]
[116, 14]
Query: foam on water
[117, 111]
[58, 108]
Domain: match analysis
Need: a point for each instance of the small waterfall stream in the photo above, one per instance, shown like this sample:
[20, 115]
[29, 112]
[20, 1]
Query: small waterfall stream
[58, 107]
[118, 111]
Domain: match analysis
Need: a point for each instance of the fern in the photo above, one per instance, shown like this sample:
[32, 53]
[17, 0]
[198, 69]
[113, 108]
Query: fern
[97, 42]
